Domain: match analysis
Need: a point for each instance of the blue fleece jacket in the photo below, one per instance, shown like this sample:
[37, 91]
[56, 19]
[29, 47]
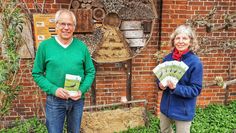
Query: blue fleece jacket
[180, 103]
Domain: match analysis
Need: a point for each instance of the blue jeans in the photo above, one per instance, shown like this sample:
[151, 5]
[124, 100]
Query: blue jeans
[58, 109]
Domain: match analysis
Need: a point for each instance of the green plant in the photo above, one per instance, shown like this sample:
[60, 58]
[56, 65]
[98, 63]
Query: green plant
[215, 118]
[11, 26]
[33, 125]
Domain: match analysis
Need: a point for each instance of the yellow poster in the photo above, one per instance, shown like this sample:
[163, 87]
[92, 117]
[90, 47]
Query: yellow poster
[44, 27]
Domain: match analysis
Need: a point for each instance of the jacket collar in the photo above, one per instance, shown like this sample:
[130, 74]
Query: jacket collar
[184, 56]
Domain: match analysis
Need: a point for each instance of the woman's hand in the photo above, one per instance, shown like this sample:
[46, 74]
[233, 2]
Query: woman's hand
[161, 86]
[171, 85]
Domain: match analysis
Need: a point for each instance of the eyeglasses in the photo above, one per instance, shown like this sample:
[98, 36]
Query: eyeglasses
[63, 25]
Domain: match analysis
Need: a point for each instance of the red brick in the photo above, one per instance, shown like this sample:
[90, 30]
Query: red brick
[196, 3]
[208, 3]
[63, 1]
[184, 2]
[166, 2]
[39, 1]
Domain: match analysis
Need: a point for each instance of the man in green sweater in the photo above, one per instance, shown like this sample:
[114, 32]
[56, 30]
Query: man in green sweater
[56, 57]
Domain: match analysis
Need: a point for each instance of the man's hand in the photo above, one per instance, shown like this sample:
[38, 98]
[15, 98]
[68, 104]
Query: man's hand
[62, 93]
[77, 96]
[161, 86]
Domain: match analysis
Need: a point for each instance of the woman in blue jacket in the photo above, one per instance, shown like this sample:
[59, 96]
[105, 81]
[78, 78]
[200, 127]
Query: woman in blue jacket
[178, 101]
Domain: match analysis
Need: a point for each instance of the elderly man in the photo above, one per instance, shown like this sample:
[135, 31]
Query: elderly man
[56, 57]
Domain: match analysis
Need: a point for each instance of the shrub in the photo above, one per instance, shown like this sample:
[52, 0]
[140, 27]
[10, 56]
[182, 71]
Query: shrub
[214, 118]
[33, 125]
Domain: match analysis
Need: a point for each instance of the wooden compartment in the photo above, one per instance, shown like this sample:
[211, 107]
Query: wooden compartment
[140, 42]
[133, 32]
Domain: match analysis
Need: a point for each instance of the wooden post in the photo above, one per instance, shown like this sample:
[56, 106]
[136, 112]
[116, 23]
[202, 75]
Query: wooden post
[226, 95]
[129, 80]
[93, 88]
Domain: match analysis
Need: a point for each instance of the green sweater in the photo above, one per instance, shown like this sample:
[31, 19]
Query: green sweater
[53, 62]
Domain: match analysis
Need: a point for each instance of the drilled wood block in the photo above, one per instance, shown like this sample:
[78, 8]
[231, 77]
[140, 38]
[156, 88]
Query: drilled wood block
[84, 21]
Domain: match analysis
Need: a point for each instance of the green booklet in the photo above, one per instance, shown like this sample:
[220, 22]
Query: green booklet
[72, 83]
[170, 70]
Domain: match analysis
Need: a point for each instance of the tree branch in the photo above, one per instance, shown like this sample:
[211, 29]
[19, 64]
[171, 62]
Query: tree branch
[227, 83]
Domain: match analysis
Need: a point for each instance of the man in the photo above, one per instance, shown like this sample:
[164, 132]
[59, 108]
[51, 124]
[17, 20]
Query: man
[56, 57]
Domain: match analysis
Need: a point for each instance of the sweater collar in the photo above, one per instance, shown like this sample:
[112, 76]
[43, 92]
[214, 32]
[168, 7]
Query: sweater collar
[63, 45]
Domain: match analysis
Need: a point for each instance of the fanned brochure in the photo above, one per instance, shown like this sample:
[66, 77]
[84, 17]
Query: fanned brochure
[170, 70]
[72, 83]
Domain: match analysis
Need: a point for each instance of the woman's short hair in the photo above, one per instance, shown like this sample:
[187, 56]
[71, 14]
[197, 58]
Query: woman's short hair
[61, 11]
[186, 29]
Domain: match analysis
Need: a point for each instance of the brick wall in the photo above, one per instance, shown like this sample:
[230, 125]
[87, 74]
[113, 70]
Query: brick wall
[111, 80]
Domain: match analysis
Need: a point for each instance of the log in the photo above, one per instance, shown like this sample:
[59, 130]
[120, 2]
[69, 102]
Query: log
[75, 4]
[112, 19]
[83, 5]
[88, 6]
[97, 3]
[116, 104]
[98, 13]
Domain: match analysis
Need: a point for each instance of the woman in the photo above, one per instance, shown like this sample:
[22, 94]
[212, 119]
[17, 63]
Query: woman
[179, 101]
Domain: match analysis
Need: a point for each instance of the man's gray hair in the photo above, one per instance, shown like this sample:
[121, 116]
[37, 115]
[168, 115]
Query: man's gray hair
[61, 11]
[186, 29]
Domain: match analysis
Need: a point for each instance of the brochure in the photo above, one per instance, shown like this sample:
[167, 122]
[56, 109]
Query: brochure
[72, 83]
[170, 70]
